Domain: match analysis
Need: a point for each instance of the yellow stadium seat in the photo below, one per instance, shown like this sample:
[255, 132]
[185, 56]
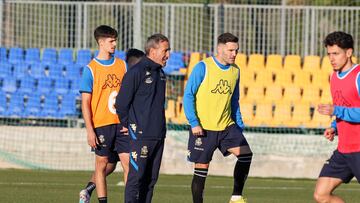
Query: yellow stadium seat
[320, 78]
[263, 114]
[247, 112]
[311, 64]
[282, 114]
[302, 79]
[170, 110]
[247, 76]
[354, 59]
[311, 95]
[274, 63]
[326, 96]
[195, 57]
[319, 121]
[283, 78]
[180, 113]
[264, 77]
[300, 116]
[292, 63]
[292, 93]
[273, 93]
[241, 60]
[326, 65]
[256, 61]
[241, 91]
[254, 93]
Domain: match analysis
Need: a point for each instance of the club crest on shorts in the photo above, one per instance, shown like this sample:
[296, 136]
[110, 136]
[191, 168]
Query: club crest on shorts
[134, 155]
[144, 152]
[198, 142]
[101, 139]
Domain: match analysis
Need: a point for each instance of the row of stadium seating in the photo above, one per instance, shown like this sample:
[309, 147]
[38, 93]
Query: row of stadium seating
[57, 60]
[263, 114]
[37, 105]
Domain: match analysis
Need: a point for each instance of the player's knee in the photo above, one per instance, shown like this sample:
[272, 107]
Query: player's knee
[101, 163]
[320, 198]
[245, 157]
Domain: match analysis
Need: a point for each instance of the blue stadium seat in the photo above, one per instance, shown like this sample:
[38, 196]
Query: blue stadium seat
[75, 86]
[3, 54]
[96, 52]
[73, 71]
[3, 103]
[16, 105]
[56, 71]
[33, 105]
[120, 54]
[5, 69]
[68, 105]
[27, 85]
[51, 106]
[83, 57]
[62, 85]
[66, 56]
[174, 63]
[32, 55]
[49, 56]
[37, 70]
[44, 85]
[21, 70]
[9, 84]
[16, 55]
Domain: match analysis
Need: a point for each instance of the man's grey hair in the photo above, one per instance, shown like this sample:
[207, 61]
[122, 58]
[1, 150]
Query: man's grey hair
[153, 42]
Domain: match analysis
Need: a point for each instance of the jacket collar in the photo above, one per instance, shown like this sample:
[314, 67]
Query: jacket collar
[151, 64]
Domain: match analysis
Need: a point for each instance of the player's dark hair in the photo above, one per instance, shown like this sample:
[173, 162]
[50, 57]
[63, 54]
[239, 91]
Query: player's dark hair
[154, 40]
[227, 37]
[105, 31]
[133, 56]
[341, 39]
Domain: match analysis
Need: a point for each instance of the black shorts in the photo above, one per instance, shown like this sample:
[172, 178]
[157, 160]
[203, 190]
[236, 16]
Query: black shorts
[111, 140]
[201, 148]
[342, 166]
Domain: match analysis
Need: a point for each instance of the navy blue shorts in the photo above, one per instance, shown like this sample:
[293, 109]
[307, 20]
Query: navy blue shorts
[111, 140]
[201, 148]
[342, 166]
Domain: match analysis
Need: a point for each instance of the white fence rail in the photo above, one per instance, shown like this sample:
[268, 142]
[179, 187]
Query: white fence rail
[190, 27]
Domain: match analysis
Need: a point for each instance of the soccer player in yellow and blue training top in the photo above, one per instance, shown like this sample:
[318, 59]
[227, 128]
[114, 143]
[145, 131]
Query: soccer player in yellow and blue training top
[344, 164]
[211, 104]
[99, 87]
[133, 56]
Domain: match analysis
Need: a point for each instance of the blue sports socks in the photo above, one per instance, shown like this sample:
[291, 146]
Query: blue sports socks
[241, 172]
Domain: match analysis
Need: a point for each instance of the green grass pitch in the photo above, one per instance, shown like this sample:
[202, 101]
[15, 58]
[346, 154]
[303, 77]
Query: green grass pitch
[63, 186]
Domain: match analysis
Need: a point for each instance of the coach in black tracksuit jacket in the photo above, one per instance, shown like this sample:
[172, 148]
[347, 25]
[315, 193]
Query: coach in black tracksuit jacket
[140, 106]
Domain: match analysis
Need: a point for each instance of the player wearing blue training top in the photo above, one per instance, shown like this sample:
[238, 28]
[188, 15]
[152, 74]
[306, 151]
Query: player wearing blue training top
[211, 103]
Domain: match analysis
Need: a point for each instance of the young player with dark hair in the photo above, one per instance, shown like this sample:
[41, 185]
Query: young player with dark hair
[133, 56]
[344, 164]
[211, 102]
[99, 86]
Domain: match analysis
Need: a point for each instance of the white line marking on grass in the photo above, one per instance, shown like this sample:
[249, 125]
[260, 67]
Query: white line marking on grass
[176, 186]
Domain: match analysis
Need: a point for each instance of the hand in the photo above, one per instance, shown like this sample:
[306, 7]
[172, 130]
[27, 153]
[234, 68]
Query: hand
[329, 134]
[124, 131]
[197, 131]
[326, 109]
[92, 139]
